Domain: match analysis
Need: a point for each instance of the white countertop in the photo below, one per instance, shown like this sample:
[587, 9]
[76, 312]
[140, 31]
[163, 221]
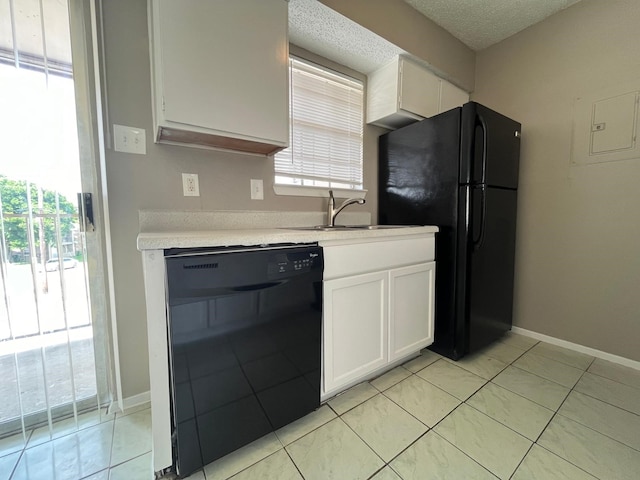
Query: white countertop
[160, 230]
[264, 236]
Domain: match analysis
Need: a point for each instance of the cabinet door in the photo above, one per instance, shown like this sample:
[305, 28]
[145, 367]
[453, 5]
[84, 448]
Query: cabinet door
[451, 96]
[411, 309]
[222, 69]
[419, 90]
[355, 328]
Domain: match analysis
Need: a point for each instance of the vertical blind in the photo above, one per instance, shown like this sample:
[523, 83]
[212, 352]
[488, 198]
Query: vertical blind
[47, 357]
[326, 122]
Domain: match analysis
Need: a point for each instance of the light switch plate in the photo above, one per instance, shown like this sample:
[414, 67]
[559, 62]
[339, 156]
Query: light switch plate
[257, 189]
[129, 139]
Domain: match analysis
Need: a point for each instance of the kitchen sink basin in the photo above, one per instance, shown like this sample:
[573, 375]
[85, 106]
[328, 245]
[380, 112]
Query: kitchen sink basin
[329, 228]
[379, 227]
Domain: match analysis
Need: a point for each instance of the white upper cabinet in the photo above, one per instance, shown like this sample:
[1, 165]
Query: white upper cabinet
[451, 96]
[418, 93]
[403, 91]
[220, 73]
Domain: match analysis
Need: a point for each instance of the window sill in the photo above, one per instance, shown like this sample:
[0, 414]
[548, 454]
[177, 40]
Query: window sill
[297, 191]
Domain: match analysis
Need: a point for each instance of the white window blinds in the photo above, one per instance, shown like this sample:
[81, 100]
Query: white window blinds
[325, 148]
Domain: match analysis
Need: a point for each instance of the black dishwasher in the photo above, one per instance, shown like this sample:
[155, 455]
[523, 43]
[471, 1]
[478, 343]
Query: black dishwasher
[244, 345]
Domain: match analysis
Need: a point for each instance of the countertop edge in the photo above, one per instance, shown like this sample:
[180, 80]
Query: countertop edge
[257, 237]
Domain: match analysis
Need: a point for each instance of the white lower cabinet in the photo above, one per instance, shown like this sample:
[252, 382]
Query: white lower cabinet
[374, 319]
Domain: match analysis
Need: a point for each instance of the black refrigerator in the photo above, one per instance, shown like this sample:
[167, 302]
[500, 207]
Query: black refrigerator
[459, 170]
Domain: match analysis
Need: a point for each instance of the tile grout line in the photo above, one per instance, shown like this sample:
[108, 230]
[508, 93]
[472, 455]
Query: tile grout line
[451, 412]
[125, 461]
[291, 458]
[570, 463]
[486, 381]
[613, 380]
[522, 459]
[432, 429]
[534, 442]
[600, 400]
[556, 412]
[378, 392]
[22, 452]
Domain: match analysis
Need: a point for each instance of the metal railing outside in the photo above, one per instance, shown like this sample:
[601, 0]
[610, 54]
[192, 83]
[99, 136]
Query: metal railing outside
[47, 357]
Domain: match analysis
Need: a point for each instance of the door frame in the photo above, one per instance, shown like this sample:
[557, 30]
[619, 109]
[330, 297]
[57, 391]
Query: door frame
[86, 40]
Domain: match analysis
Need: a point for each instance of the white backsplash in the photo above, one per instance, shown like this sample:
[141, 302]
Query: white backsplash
[185, 220]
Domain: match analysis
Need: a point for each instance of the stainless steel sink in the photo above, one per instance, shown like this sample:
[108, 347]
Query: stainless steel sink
[378, 227]
[323, 228]
[329, 228]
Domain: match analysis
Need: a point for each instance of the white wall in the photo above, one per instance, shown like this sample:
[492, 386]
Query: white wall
[578, 258]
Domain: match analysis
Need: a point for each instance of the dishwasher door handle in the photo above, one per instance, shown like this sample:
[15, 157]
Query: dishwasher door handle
[179, 296]
[257, 286]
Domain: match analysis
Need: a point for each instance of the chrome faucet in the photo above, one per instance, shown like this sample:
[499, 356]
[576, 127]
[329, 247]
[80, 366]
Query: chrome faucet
[332, 211]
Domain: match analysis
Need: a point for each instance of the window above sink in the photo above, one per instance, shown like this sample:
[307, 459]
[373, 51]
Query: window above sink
[326, 133]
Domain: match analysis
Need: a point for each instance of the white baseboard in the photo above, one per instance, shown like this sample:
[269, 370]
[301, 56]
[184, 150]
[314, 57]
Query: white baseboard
[627, 362]
[130, 402]
[135, 400]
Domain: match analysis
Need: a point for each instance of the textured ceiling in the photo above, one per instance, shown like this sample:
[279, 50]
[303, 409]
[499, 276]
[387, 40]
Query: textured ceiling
[321, 30]
[481, 23]
[477, 23]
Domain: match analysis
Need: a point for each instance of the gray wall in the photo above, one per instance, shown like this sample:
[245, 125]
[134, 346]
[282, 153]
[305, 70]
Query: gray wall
[578, 265]
[153, 181]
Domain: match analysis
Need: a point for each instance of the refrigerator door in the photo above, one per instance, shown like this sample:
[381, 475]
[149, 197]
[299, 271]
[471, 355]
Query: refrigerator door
[490, 265]
[418, 185]
[490, 150]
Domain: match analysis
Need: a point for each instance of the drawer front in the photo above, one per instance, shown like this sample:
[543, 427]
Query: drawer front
[353, 259]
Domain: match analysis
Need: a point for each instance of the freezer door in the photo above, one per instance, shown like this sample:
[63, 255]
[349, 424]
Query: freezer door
[418, 172]
[490, 269]
[490, 148]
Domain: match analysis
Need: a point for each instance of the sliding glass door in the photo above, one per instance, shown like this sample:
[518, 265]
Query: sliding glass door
[55, 360]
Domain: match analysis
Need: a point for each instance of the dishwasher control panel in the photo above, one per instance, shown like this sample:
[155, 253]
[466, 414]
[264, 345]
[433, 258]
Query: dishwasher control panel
[285, 263]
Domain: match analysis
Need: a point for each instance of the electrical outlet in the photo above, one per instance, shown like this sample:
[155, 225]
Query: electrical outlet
[129, 139]
[257, 189]
[190, 187]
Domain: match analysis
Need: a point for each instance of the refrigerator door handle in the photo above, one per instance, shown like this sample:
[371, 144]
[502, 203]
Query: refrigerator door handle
[483, 126]
[477, 243]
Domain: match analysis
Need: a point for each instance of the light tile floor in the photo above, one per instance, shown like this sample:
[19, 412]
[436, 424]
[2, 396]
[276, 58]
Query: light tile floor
[517, 410]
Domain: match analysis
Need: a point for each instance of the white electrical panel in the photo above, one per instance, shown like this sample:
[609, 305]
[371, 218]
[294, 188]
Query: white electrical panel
[606, 126]
[613, 122]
